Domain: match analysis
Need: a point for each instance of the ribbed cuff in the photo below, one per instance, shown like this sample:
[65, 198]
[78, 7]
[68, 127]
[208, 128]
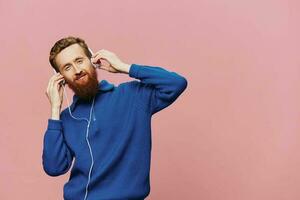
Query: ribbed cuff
[54, 124]
[134, 70]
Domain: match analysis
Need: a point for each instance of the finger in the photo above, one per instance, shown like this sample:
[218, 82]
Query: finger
[106, 52]
[48, 88]
[104, 68]
[95, 54]
[51, 82]
[54, 81]
[57, 85]
[55, 77]
[61, 92]
[97, 58]
[60, 81]
[57, 74]
[102, 52]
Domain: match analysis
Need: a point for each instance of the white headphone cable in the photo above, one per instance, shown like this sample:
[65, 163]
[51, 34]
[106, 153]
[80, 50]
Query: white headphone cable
[86, 137]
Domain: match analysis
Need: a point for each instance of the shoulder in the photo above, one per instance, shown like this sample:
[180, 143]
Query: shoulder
[133, 83]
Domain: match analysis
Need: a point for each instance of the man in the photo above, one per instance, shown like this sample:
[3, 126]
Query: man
[107, 129]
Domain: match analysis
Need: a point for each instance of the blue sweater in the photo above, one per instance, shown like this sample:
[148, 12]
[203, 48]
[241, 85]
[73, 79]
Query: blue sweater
[119, 137]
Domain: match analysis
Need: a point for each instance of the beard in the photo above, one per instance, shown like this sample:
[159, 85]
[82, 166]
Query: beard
[86, 87]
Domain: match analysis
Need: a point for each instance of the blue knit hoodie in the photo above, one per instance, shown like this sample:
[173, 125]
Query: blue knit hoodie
[119, 137]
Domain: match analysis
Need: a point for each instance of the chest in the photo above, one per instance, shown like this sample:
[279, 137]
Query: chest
[108, 120]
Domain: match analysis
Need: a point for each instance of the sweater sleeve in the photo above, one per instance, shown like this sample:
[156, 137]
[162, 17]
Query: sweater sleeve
[56, 157]
[163, 87]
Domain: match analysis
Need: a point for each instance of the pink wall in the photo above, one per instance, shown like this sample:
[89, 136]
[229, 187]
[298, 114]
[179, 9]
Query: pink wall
[233, 135]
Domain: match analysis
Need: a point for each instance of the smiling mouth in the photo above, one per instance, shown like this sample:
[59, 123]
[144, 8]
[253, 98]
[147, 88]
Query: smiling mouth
[81, 77]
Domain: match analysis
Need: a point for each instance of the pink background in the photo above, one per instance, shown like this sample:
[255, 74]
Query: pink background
[234, 134]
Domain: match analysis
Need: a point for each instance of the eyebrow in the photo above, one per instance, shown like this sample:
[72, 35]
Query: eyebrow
[74, 60]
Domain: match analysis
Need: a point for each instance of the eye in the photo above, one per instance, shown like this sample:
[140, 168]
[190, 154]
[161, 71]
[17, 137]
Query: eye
[67, 67]
[80, 61]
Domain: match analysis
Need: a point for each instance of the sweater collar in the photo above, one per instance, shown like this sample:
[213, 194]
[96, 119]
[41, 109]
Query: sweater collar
[103, 86]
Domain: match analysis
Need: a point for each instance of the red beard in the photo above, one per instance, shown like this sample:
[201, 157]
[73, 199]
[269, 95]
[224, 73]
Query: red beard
[86, 87]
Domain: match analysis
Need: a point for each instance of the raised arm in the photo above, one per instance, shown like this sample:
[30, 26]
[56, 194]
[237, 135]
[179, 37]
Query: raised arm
[163, 86]
[157, 88]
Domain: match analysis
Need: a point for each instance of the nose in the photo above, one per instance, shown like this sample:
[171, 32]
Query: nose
[77, 69]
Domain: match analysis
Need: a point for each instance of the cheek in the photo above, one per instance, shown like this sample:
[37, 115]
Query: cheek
[90, 70]
[68, 77]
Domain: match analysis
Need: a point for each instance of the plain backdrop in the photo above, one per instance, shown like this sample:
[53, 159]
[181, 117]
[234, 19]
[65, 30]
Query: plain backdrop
[234, 134]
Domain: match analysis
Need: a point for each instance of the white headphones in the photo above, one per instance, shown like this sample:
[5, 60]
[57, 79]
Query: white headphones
[87, 129]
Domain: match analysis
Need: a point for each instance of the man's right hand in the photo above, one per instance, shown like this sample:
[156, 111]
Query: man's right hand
[55, 95]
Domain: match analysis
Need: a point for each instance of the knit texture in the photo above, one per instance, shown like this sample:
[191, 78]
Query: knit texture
[119, 135]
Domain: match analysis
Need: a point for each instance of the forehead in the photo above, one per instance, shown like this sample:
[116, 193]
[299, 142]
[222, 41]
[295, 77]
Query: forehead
[69, 54]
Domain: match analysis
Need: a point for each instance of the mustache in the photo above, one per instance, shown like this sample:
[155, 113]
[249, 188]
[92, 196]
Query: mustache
[80, 75]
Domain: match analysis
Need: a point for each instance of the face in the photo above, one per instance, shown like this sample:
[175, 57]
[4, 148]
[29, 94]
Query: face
[78, 71]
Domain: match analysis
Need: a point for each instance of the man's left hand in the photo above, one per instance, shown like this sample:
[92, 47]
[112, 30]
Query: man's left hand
[110, 62]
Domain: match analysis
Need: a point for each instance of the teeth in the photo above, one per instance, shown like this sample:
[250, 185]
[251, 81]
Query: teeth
[80, 77]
